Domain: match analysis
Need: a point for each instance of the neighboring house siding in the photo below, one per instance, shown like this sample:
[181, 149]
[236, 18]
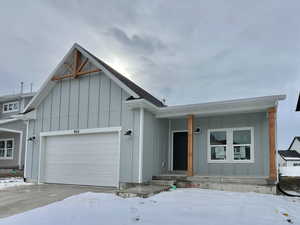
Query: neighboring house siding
[155, 146]
[92, 101]
[20, 126]
[259, 121]
[8, 115]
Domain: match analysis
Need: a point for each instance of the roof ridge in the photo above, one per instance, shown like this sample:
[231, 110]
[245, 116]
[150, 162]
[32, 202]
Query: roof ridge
[129, 83]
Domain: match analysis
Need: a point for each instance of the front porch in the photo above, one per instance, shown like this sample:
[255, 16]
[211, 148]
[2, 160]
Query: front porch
[189, 160]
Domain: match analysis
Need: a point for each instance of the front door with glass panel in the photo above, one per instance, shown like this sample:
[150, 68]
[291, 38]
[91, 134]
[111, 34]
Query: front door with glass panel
[180, 150]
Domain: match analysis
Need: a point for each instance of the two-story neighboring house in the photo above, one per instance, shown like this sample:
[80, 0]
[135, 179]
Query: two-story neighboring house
[12, 130]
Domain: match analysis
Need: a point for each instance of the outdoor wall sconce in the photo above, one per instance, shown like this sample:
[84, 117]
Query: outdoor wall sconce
[31, 138]
[197, 130]
[128, 133]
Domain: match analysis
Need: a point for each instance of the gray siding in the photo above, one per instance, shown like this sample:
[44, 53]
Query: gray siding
[19, 126]
[155, 149]
[92, 101]
[259, 121]
[8, 115]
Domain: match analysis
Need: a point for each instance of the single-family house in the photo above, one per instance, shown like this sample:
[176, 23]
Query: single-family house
[90, 125]
[12, 130]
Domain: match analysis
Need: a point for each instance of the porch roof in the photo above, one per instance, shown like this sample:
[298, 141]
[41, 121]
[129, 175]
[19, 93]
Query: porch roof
[245, 105]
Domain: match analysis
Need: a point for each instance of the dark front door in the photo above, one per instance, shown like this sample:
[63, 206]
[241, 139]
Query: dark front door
[180, 151]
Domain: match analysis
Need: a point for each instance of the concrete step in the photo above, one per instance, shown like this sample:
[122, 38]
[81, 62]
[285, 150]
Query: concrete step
[169, 177]
[163, 182]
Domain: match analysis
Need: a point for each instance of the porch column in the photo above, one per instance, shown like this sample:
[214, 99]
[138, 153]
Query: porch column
[272, 143]
[190, 122]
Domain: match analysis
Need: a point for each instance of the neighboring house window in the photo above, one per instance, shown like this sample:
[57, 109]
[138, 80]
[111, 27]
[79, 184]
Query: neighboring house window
[296, 164]
[231, 145]
[6, 148]
[10, 107]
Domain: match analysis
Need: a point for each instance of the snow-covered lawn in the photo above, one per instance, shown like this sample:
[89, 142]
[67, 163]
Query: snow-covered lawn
[11, 182]
[182, 206]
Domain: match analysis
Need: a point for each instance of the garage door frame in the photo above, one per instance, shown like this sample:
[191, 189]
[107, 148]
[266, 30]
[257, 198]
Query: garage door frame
[74, 132]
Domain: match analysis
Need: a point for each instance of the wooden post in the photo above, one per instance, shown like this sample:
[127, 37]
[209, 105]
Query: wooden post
[272, 143]
[190, 121]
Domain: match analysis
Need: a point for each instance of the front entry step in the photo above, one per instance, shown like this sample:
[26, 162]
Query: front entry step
[163, 182]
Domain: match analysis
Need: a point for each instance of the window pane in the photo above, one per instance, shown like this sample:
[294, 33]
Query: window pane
[9, 144]
[9, 153]
[2, 144]
[218, 153]
[241, 152]
[5, 107]
[10, 106]
[241, 137]
[16, 106]
[1, 152]
[218, 138]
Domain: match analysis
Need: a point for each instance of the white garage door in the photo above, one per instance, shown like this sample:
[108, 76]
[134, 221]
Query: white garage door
[86, 159]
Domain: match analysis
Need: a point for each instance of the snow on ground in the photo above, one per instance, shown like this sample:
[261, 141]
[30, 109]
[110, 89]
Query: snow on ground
[181, 206]
[11, 182]
[291, 171]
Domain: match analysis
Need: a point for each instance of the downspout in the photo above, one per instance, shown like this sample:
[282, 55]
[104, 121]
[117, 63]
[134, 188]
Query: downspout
[26, 147]
[141, 144]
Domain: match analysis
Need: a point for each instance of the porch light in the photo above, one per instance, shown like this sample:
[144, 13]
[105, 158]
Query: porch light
[128, 133]
[197, 130]
[31, 138]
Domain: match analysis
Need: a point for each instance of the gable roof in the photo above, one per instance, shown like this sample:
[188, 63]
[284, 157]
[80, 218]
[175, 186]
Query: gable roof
[298, 104]
[295, 138]
[134, 90]
[289, 153]
[137, 89]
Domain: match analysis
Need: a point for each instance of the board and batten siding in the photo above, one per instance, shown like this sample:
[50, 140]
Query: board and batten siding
[259, 121]
[93, 101]
[155, 146]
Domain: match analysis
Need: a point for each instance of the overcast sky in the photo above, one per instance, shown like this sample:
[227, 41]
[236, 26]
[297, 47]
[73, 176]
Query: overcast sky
[184, 51]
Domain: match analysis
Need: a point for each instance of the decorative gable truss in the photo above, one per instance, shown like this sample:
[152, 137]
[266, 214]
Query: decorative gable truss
[76, 69]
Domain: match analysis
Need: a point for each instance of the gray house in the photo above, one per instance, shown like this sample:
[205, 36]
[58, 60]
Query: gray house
[90, 125]
[12, 130]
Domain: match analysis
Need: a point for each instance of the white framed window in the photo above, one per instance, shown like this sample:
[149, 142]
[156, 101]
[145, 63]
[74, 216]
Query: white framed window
[6, 148]
[231, 145]
[10, 107]
[296, 164]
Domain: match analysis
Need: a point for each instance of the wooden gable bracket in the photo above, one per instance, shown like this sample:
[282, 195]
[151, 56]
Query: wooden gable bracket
[75, 69]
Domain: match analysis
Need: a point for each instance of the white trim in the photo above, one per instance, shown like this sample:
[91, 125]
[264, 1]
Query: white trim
[20, 150]
[26, 149]
[5, 148]
[44, 135]
[81, 131]
[8, 121]
[172, 147]
[230, 146]
[11, 103]
[141, 144]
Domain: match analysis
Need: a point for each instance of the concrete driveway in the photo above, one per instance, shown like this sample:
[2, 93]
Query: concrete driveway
[19, 199]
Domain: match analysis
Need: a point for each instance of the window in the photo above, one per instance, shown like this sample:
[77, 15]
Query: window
[10, 107]
[296, 164]
[231, 145]
[6, 148]
[218, 141]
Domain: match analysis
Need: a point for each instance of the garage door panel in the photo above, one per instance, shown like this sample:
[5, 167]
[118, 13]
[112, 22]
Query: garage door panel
[89, 159]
